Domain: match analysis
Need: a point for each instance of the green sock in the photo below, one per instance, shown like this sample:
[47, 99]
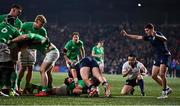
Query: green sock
[44, 88]
[18, 82]
[28, 85]
[13, 79]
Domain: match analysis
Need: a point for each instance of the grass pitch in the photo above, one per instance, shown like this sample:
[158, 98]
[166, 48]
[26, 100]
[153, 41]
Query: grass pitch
[152, 90]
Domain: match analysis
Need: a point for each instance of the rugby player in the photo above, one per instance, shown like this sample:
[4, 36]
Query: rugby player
[7, 33]
[134, 70]
[73, 52]
[27, 57]
[161, 55]
[98, 54]
[89, 66]
[43, 45]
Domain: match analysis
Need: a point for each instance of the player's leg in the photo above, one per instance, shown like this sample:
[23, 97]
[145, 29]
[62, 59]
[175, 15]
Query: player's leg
[126, 89]
[155, 73]
[7, 68]
[162, 74]
[20, 75]
[84, 72]
[62, 90]
[44, 77]
[29, 75]
[141, 84]
[98, 75]
[50, 79]
[101, 67]
[48, 63]
[163, 70]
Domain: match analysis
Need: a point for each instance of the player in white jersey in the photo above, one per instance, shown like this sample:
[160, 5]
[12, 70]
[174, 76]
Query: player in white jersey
[134, 70]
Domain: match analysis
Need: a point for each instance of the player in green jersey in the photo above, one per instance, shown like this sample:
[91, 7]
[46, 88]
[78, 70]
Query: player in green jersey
[7, 32]
[15, 11]
[73, 52]
[98, 54]
[27, 57]
[51, 56]
[69, 88]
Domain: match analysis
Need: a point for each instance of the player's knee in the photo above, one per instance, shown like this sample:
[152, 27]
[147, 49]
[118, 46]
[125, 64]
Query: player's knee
[154, 76]
[139, 77]
[123, 93]
[162, 75]
[42, 70]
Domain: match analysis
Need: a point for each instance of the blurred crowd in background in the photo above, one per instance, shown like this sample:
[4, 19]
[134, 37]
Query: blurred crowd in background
[117, 47]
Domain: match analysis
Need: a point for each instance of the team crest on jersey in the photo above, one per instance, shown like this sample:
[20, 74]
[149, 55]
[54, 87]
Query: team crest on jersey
[4, 30]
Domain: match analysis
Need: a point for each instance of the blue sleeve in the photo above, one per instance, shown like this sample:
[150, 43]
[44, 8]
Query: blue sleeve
[145, 38]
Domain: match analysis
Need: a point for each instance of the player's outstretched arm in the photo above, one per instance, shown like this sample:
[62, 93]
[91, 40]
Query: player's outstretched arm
[137, 37]
[19, 38]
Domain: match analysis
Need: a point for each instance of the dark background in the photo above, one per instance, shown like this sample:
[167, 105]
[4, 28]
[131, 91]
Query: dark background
[99, 11]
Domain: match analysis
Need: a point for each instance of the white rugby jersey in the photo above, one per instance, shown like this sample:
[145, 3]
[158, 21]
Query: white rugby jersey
[135, 71]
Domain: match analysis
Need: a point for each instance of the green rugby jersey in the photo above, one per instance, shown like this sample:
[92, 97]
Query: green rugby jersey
[28, 27]
[80, 83]
[7, 32]
[41, 47]
[73, 49]
[18, 22]
[98, 51]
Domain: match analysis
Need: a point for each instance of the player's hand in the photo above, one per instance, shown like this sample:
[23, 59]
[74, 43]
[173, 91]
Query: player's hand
[76, 82]
[123, 33]
[9, 42]
[69, 61]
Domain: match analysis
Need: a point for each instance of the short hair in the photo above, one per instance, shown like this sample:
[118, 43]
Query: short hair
[17, 6]
[10, 19]
[66, 82]
[75, 33]
[41, 18]
[149, 26]
[132, 55]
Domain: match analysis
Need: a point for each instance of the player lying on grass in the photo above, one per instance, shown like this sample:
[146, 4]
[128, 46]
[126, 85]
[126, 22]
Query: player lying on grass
[69, 88]
[134, 70]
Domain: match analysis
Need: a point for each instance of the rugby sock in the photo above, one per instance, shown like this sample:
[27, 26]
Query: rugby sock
[18, 82]
[103, 84]
[91, 87]
[28, 85]
[13, 79]
[49, 85]
[141, 85]
[44, 88]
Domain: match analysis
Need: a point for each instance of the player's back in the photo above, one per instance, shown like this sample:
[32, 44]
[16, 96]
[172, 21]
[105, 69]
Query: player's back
[7, 32]
[17, 23]
[28, 27]
[160, 47]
